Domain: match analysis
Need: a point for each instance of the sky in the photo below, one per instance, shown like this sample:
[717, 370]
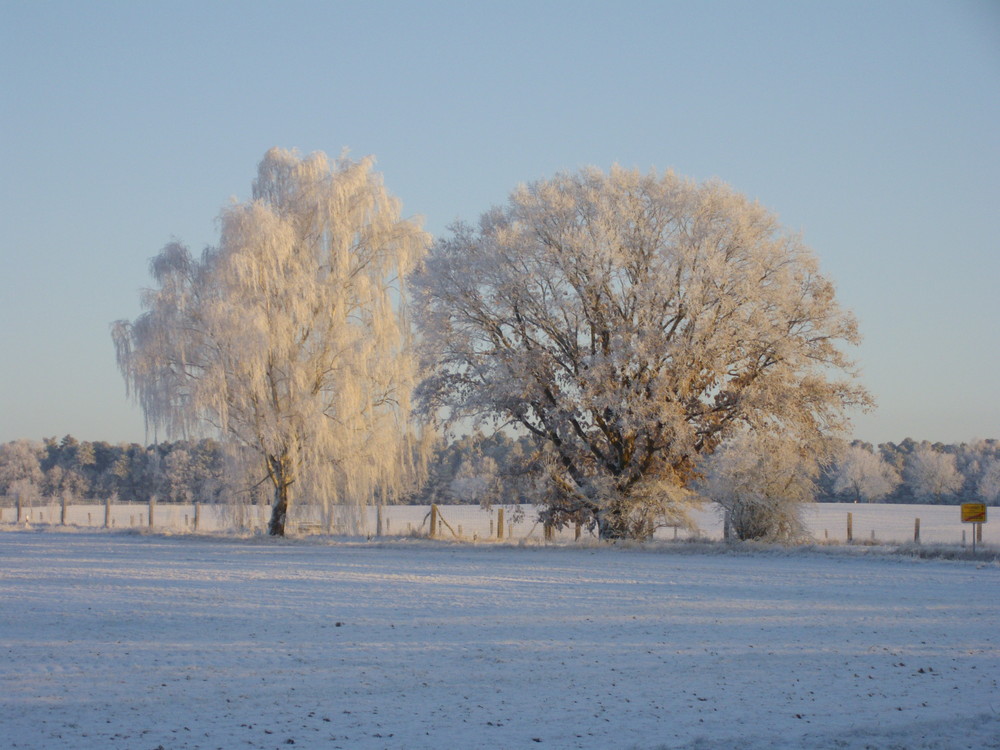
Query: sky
[873, 128]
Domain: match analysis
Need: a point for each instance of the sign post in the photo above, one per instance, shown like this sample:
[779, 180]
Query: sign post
[974, 513]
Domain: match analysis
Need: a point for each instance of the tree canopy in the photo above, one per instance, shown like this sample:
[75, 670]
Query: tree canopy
[289, 338]
[632, 323]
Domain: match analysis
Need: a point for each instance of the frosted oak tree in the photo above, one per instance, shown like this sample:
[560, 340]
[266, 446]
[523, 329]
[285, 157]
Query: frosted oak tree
[289, 338]
[863, 475]
[932, 474]
[630, 323]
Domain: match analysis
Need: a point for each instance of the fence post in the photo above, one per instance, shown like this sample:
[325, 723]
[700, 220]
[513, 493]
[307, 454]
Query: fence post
[434, 520]
[916, 531]
[20, 507]
[378, 520]
[107, 512]
[62, 510]
[197, 515]
[152, 508]
[850, 528]
[499, 523]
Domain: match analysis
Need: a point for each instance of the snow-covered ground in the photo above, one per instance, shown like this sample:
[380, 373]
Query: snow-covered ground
[116, 639]
[939, 524]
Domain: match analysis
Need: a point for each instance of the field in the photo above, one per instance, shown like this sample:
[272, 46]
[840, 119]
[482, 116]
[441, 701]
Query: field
[939, 524]
[120, 639]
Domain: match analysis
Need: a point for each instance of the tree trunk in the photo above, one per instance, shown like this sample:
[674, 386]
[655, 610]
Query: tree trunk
[279, 512]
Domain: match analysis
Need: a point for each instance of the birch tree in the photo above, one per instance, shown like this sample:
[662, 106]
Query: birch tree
[630, 323]
[289, 338]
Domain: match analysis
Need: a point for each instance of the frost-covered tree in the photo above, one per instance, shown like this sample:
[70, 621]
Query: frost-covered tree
[863, 475]
[20, 467]
[630, 323]
[931, 474]
[989, 484]
[477, 481]
[761, 481]
[178, 472]
[290, 337]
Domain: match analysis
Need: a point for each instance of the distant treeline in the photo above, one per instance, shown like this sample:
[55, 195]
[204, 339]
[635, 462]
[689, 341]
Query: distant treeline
[474, 468]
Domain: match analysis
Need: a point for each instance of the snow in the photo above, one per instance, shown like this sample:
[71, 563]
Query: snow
[122, 639]
[891, 523]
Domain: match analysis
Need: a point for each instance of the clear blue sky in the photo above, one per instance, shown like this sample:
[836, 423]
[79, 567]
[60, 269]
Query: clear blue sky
[871, 127]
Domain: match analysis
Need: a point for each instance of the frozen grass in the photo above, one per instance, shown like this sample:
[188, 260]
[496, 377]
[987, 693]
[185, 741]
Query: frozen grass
[140, 641]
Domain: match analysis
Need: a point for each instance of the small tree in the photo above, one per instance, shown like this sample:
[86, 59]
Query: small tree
[931, 474]
[862, 475]
[761, 482]
[631, 323]
[290, 337]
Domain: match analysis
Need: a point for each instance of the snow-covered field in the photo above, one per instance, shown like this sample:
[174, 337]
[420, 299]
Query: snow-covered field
[116, 639]
[939, 524]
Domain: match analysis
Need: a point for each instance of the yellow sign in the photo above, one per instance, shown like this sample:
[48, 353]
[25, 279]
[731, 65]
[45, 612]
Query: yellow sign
[973, 513]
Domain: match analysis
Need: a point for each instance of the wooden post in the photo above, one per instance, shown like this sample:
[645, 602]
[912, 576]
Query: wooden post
[499, 523]
[197, 515]
[20, 507]
[850, 528]
[434, 520]
[152, 508]
[62, 510]
[107, 512]
[675, 532]
[916, 531]
[510, 531]
[378, 520]
[88, 519]
[491, 528]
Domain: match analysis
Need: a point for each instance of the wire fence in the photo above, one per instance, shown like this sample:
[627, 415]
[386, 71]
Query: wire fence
[826, 522]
